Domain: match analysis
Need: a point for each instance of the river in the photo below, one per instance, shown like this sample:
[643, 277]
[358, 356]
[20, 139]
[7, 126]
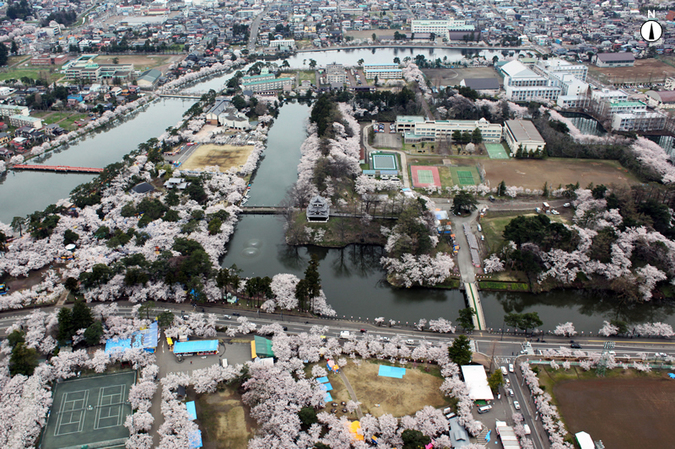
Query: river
[352, 277]
[382, 55]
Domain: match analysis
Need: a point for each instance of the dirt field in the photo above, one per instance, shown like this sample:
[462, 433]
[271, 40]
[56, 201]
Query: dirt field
[622, 412]
[532, 174]
[141, 62]
[452, 77]
[396, 396]
[225, 156]
[223, 420]
[644, 71]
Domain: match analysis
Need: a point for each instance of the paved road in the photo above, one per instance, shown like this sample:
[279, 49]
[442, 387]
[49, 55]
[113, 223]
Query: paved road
[253, 30]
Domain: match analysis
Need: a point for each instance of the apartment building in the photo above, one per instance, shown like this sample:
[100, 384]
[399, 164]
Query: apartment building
[335, 74]
[9, 110]
[268, 86]
[440, 28]
[382, 71]
[22, 120]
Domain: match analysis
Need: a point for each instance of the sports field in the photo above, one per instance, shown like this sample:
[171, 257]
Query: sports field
[461, 176]
[224, 156]
[496, 151]
[89, 411]
[533, 173]
[631, 412]
[384, 162]
[425, 176]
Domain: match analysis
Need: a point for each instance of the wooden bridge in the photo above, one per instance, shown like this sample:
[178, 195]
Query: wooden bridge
[58, 168]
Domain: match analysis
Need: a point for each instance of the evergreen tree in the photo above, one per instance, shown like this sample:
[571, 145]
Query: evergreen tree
[92, 336]
[65, 328]
[501, 190]
[460, 351]
[81, 316]
[23, 360]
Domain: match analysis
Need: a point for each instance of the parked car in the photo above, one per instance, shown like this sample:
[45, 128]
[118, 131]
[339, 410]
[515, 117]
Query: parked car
[410, 342]
[227, 317]
[567, 205]
[516, 405]
[484, 409]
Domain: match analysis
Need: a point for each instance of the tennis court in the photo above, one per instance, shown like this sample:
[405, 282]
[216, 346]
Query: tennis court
[384, 162]
[425, 176]
[89, 411]
[465, 178]
[496, 151]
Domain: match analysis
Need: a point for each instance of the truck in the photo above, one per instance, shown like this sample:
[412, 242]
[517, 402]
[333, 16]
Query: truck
[344, 334]
[546, 206]
[527, 429]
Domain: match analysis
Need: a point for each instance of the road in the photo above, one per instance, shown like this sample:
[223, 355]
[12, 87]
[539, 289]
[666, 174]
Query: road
[253, 30]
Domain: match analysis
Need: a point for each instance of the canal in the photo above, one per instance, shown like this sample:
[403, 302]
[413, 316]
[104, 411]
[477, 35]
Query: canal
[352, 278]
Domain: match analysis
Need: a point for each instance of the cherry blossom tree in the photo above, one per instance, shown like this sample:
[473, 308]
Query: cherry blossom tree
[608, 329]
[565, 329]
[493, 264]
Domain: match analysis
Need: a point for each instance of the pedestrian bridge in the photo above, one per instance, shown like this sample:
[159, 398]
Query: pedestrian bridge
[473, 298]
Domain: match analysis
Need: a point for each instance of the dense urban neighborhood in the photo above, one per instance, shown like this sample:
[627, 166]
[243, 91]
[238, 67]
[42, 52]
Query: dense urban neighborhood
[331, 224]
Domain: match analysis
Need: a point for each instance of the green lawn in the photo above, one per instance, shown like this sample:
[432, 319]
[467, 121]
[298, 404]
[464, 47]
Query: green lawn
[309, 75]
[34, 73]
[493, 227]
[64, 119]
[508, 286]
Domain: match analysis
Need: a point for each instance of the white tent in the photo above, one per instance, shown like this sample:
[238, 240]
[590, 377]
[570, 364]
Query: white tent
[585, 441]
[475, 379]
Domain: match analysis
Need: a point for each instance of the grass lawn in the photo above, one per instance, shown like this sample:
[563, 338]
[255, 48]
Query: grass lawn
[380, 395]
[224, 421]
[309, 75]
[34, 73]
[499, 285]
[493, 227]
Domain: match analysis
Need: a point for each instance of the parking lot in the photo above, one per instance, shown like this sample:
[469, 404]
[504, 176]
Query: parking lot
[387, 138]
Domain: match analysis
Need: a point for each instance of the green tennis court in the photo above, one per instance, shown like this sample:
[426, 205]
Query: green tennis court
[384, 162]
[465, 177]
[496, 151]
[425, 176]
[89, 411]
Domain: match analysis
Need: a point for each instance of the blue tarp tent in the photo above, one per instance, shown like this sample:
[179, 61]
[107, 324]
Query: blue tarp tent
[195, 346]
[145, 339]
[328, 398]
[326, 387]
[322, 380]
[391, 371]
[195, 439]
[192, 411]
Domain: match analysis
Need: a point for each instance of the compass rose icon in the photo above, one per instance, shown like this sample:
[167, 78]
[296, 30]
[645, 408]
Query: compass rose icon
[651, 31]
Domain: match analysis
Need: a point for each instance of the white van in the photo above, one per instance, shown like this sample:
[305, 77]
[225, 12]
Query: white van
[484, 409]
[480, 229]
[504, 372]
[511, 368]
[527, 429]
[223, 362]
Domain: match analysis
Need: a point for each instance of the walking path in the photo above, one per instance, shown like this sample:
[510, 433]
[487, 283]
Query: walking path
[359, 413]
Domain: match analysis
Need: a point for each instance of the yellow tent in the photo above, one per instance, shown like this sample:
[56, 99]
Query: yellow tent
[354, 428]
